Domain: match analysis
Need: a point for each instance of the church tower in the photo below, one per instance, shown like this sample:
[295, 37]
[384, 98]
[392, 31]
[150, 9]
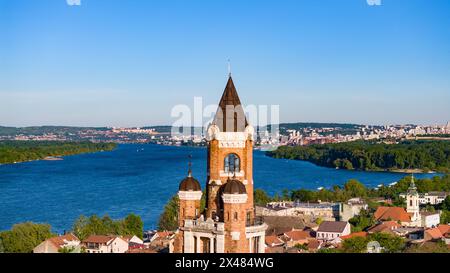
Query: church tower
[228, 223]
[412, 204]
[230, 153]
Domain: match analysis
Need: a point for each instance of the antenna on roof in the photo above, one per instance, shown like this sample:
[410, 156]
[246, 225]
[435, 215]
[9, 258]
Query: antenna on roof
[229, 68]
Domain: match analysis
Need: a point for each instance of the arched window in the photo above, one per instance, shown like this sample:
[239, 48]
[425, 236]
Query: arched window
[235, 216]
[232, 163]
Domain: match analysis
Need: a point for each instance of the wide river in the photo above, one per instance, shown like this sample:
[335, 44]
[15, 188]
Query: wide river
[139, 179]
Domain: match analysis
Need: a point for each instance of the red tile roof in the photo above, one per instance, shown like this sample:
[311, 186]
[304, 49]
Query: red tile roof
[392, 213]
[273, 240]
[60, 241]
[384, 226]
[296, 235]
[142, 250]
[445, 229]
[313, 244]
[355, 234]
[100, 239]
[438, 232]
[433, 233]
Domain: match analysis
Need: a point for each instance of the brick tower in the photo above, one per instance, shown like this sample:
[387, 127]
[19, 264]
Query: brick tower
[228, 224]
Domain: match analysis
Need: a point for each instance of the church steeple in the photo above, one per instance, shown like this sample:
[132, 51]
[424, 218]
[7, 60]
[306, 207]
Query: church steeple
[412, 186]
[230, 116]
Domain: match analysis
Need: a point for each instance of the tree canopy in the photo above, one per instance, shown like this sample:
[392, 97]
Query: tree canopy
[20, 151]
[94, 225]
[24, 237]
[370, 155]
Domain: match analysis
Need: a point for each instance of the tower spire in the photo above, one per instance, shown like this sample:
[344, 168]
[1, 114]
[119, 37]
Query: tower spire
[412, 186]
[190, 165]
[229, 68]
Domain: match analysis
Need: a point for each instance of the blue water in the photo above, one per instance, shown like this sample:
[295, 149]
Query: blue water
[138, 179]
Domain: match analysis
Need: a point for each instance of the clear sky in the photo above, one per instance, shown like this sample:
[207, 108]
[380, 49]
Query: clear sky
[127, 63]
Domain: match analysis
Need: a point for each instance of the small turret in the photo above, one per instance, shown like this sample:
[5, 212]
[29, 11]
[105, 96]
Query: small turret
[190, 194]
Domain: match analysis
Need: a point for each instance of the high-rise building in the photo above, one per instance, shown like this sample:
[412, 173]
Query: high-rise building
[228, 223]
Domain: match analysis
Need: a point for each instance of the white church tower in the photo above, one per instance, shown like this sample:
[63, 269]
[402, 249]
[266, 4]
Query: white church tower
[412, 204]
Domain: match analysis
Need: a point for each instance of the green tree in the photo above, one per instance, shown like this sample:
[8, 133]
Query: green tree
[285, 195]
[79, 227]
[94, 225]
[354, 188]
[2, 248]
[446, 203]
[304, 195]
[24, 237]
[429, 247]
[445, 217]
[133, 225]
[361, 221]
[355, 245]
[261, 197]
[169, 218]
[390, 243]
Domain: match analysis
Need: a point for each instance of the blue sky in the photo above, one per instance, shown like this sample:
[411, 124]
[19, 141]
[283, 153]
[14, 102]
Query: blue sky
[127, 63]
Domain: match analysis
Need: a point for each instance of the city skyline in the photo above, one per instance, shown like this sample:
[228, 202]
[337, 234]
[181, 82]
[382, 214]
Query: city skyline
[108, 64]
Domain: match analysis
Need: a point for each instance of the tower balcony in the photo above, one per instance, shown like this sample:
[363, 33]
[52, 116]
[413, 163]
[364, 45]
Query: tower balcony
[201, 225]
[257, 225]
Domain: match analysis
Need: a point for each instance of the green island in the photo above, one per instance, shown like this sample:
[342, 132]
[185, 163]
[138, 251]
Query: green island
[21, 151]
[416, 155]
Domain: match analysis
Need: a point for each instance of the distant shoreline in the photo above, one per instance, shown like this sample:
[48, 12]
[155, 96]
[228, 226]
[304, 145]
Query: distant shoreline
[13, 152]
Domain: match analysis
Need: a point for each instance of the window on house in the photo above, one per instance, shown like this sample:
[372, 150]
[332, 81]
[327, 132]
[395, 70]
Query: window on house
[232, 163]
[235, 215]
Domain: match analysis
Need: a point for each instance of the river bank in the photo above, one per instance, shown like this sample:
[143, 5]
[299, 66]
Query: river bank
[13, 152]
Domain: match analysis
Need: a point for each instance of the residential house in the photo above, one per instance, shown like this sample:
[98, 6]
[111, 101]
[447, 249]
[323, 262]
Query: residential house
[329, 230]
[441, 232]
[386, 227]
[57, 244]
[430, 219]
[105, 244]
[134, 242]
[337, 242]
[297, 237]
[273, 241]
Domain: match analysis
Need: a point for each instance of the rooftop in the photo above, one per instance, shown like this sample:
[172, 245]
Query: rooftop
[332, 226]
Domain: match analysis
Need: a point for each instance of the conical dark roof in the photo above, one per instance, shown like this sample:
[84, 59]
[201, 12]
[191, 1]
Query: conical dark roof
[189, 184]
[234, 120]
